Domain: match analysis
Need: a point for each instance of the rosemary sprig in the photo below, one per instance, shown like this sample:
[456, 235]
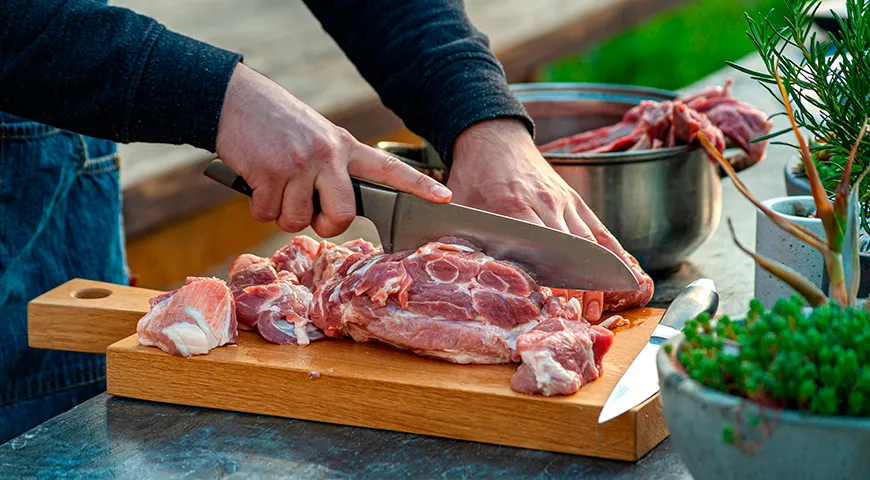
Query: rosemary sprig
[828, 84]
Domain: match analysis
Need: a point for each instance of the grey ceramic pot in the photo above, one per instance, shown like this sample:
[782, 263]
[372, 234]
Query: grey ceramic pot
[798, 447]
[795, 184]
[798, 185]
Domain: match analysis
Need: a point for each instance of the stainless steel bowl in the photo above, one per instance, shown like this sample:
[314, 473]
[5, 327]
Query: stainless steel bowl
[660, 204]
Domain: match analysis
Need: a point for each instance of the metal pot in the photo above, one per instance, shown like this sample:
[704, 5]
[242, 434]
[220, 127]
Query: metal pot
[660, 204]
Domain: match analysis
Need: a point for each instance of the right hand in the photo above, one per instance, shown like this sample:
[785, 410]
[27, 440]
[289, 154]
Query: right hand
[285, 151]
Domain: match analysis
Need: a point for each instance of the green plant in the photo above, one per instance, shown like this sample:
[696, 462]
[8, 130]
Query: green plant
[828, 81]
[814, 359]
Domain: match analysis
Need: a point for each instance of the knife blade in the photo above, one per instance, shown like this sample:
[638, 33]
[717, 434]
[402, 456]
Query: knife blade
[641, 380]
[404, 221]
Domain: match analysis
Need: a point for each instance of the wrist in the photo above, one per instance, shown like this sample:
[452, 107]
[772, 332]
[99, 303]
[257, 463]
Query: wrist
[489, 135]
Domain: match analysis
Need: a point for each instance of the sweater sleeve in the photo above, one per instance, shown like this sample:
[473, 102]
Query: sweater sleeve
[427, 63]
[109, 72]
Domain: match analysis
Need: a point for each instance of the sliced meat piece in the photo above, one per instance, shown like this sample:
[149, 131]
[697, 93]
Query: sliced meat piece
[688, 122]
[331, 257]
[250, 270]
[560, 356]
[280, 311]
[297, 257]
[651, 125]
[248, 274]
[741, 123]
[191, 320]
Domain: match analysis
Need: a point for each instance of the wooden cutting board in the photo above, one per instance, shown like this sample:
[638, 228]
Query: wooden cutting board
[363, 384]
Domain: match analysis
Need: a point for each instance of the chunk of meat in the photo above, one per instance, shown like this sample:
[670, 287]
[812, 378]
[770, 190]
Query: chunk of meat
[651, 125]
[279, 311]
[560, 356]
[297, 257]
[248, 270]
[450, 301]
[330, 258]
[191, 320]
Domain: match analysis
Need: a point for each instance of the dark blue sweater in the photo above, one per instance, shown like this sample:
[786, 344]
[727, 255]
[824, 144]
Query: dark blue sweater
[109, 72]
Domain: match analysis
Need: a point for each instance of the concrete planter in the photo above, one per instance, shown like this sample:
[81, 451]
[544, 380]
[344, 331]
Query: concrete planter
[775, 243]
[798, 446]
[795, 184]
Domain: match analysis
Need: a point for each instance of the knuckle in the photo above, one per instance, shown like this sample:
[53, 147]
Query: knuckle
[324, 149]
[292, 223]
[389, 165]
[548, 200]
[344, 216]
[263, 214]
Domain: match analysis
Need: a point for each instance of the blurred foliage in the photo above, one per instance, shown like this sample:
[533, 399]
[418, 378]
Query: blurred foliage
[671, 50]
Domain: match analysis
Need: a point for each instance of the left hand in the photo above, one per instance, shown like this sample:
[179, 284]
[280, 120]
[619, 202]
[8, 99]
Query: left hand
[497, 167]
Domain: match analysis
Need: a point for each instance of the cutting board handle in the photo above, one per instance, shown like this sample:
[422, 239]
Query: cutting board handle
[85, 315]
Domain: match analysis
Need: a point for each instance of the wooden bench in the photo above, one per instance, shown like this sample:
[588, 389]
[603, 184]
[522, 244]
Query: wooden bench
[178, 221]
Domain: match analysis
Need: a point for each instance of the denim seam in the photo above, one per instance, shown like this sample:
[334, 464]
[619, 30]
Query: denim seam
[94, 171]
[27, 136]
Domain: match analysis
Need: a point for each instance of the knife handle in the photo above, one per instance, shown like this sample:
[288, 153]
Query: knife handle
[219, 172]
[698, 297]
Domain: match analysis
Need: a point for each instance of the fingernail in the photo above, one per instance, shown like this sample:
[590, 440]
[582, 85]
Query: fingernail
[593, 310]
[441, 192]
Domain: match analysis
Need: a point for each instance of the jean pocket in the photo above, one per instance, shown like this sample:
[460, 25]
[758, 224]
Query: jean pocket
[99, 156]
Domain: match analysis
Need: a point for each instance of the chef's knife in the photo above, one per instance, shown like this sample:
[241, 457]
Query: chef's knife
[641, 380]
[404, 221]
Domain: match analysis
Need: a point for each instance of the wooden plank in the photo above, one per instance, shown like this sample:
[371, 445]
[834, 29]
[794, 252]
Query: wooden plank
[372, 385]
[72, 316]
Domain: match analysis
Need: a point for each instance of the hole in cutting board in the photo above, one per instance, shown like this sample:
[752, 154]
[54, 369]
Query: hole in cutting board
[91, 293]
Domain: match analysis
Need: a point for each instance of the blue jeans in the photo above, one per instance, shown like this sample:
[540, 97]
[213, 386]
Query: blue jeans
[60, 218]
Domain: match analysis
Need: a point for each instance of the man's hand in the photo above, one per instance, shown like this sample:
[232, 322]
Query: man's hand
[496, 167]
[285, 150]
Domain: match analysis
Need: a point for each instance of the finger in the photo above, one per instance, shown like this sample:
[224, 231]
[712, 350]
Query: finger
[265, 204]
[296, 205]
[599, 231]
[337, 202]
[548, 209]
[377, 166]
[577, 226]
[593, 305]
[593, 302]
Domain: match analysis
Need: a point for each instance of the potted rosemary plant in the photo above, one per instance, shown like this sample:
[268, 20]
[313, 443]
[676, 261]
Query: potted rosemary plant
[828, 81]
[783, 392]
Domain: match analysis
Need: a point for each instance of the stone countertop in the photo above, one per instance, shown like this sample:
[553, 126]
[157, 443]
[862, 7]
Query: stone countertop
[113, 437]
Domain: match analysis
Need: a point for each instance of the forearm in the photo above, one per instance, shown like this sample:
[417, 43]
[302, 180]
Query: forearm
[426, 61]
[109, 72]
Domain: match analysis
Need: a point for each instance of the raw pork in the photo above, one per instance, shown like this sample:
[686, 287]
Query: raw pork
[652, 125]
[559, 356]
[450, 301]
[273, 295]
[191, 320]
[298, 258]
[279, 311]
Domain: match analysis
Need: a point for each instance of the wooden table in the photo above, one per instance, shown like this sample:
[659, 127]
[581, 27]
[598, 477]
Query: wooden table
[113, 437]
